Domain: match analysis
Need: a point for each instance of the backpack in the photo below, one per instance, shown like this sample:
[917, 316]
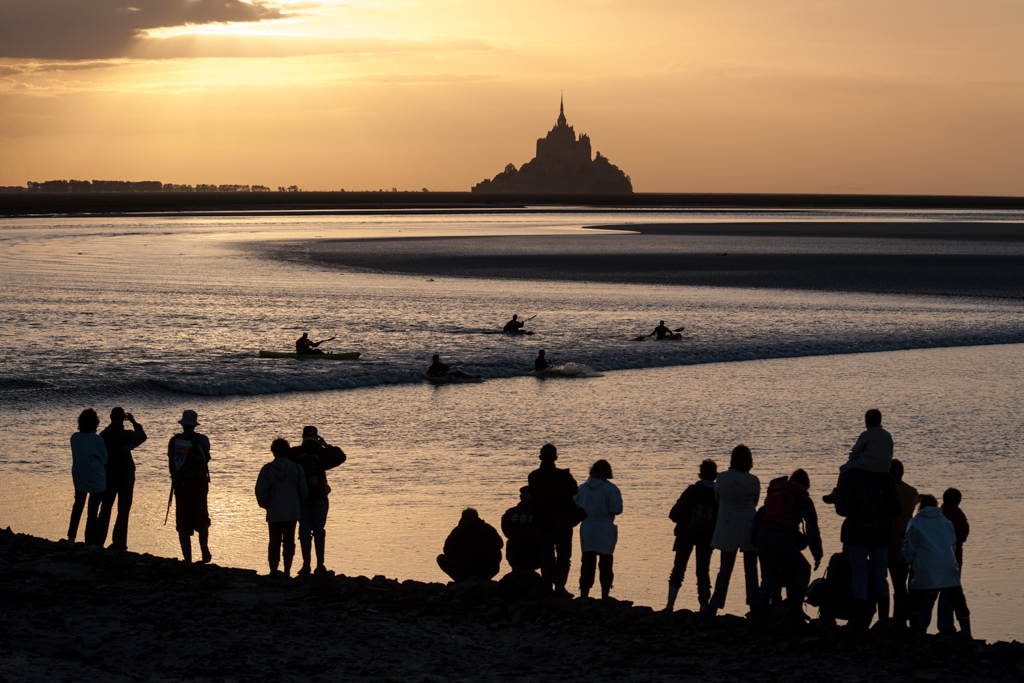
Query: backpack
[316, 481]
[833, 593]
[703, 518]
[189, 458]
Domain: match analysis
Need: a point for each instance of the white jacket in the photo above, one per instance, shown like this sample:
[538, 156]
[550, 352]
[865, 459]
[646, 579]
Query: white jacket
[929, 545]
[602, 501]
[737, 493]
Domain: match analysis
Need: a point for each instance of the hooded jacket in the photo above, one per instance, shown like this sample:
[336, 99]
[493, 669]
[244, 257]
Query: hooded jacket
[280, 488]
[928, 546]
[602, 501]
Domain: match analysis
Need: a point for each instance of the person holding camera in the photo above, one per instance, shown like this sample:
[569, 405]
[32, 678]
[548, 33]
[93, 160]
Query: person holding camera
[315, 456]
[120, 476]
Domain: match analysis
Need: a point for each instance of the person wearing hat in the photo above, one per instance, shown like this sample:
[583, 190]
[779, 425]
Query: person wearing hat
[315, 456]
[120, 476]
[188, 454]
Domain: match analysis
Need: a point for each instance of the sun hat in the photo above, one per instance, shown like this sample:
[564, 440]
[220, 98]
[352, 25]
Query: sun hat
[189, 418]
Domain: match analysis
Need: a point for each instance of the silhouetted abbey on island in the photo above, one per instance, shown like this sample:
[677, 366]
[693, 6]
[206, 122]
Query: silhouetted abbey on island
[562, 166]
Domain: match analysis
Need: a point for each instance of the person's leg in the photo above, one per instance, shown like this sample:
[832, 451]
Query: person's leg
[92, 519]
[185, 541]
[106, 506]
[274, 546]
[563, 559]
[76, 514]
[288, 541]
[306, 537]
[915, 599]
[703, 571]
[750, 576]
[125, 495]
[898, 572]
[767, 555]
[798, 569]
[607, 574]
[928, 599]
[675, 578]
[588, 566]
[318, 512]
[859, 569]
[727, 561]
[546, 551]
[446, 566]
[878, 569]
[958, 603]
[203, 530]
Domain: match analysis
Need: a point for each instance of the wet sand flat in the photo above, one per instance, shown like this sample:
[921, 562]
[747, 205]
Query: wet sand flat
[984, 259]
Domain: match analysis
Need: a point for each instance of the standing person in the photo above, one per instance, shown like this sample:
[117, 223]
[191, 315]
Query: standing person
[473, 548]
[280, 489]
[88, 458]
[315, 456]
[737, 491]
[120, 476]
[951, 511]
[899, 572]
[517, 525]
[695, 514]
[780, 542]
[602, 501]
[869, 501]
[929, 548]
[553, 490]
[188, 457]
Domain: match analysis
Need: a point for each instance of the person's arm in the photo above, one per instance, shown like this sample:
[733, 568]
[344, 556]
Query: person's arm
[615, 501]
[139, 434]
[101, 449]
[332, 456]
[909, 550]
[810, 516]
[263, 488]
[303, 488]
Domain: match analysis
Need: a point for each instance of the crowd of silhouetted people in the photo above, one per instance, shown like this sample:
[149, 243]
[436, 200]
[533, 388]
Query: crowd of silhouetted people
[882, 540]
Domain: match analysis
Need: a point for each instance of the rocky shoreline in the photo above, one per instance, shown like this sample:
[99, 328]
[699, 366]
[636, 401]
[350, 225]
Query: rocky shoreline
[86, 615]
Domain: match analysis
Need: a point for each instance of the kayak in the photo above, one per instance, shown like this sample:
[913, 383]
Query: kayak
[671, 337]
[521, 332]
[557, 372]
[351, 355]
[456, 377]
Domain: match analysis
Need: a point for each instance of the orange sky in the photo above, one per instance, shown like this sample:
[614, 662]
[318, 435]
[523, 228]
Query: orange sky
[684, 96]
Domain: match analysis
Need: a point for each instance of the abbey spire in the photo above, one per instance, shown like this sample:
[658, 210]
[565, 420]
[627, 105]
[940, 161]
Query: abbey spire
[561, 110]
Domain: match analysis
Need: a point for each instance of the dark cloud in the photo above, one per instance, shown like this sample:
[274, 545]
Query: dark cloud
[108, 29]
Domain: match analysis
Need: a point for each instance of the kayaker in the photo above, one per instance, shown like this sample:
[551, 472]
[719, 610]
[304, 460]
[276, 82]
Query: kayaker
[661, 331]
[305, 347]
[541, 363]
[437, 368]
[513, 326]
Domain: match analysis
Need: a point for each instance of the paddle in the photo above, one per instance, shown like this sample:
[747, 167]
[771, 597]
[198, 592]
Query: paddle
[170, 497]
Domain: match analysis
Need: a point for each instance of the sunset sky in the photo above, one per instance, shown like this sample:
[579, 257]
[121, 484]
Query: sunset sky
[851, 96]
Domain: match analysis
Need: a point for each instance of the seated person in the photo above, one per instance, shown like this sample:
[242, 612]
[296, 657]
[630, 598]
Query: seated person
[541, 363]
[513, 326]
[473, 548]
[661, 331]
[872, 452]
[437, 368]
[522, 553]
[305, 347]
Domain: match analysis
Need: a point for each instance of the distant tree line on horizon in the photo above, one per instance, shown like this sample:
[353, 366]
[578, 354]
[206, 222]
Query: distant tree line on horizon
[67, 186]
